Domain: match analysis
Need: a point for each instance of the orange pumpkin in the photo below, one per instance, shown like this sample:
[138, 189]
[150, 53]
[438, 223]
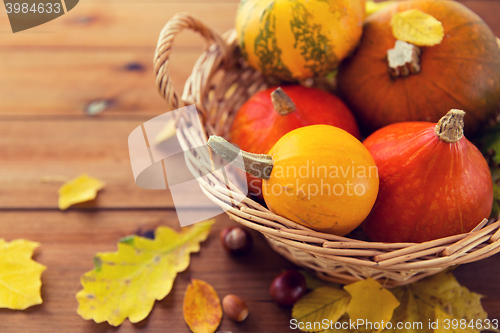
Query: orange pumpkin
[434, 182]
[463, 71]
[319, 176]
[271, 113]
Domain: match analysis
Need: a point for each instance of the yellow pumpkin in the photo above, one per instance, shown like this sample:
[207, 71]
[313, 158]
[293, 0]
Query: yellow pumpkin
[322, 178]
[298, 39]
[319, 176]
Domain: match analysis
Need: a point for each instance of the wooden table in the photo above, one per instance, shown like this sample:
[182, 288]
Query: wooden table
[102, 51]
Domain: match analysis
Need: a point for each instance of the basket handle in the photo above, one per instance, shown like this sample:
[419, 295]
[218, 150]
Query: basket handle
[162, 54]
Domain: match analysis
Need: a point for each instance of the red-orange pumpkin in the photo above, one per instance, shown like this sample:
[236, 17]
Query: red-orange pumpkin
[462, 72]
[260, 123]
[433, 181]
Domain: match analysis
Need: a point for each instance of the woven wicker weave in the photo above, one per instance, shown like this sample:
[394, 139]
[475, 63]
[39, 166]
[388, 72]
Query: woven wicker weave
[219, 84]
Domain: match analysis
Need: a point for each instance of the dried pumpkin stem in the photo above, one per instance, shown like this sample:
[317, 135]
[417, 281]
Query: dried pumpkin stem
[403, 59]
[282, 103]
[450, 128]
[258, 165]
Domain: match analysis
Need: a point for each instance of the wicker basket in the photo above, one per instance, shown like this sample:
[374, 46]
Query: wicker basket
[219, 84]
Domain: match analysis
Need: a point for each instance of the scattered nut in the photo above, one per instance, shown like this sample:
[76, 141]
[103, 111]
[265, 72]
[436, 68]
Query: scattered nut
[236, 240]
[288, 287]
[235, 308]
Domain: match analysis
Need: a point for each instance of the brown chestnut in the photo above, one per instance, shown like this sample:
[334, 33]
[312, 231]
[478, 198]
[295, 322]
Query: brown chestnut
[236, 240]
[288, 287]
[235, 308]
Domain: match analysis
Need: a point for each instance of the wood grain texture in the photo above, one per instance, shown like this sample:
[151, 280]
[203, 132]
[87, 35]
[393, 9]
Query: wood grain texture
[32, 149]
[70, 240]
[116, 24]
[103, 50]
[71, 80]
[100, 51]
[111, 24]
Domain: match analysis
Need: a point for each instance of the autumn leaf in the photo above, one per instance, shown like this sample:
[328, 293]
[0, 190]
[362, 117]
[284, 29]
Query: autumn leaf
[81, 189]
[126, 283]
[433, 298]
[20, 276]
[489, 144]
[322, 303]
[370, 302]
[344, 325]
[408, 312]
[372, 6]
[416, 27]
[202, 309]
[441, 317]
[495, 210]
[444, 291]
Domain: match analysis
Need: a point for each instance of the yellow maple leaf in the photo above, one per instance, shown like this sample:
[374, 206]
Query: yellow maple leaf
[409, 313]
[81, 189]
[19, 275]
[444, 291]
[372, 6]
[320, 304]
[437, 297]
[416, 27]
[424, 306]
[126, 283]
[370, 302]
[446, 323]
[345, 325]
[201, 308]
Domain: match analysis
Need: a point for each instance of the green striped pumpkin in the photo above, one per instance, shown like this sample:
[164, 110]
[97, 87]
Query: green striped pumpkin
[297, 39]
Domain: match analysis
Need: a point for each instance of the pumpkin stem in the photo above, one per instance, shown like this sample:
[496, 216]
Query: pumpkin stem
[258, 165]
[450, 128]
[403, 59]
[282, 103]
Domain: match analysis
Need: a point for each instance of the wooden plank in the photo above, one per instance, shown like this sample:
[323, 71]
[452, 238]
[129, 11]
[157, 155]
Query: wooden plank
[117, 24]
[48, 82]
[32, 149]
[70, 240]
[61, 81]
[131, 23]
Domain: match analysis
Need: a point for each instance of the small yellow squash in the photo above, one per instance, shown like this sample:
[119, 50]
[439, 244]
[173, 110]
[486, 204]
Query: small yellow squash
[318, 176]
